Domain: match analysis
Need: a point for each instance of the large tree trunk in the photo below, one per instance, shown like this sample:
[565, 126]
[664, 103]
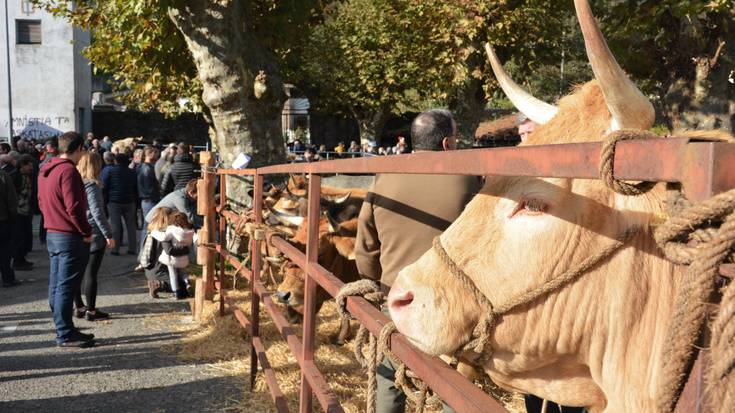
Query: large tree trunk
[371, 123]
[467, 103]
[242, 88]
[707, 100]
[700, 94]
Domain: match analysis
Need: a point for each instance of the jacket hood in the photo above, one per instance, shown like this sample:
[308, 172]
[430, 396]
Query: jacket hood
[180, 234]
[55, 162]
[185, 157]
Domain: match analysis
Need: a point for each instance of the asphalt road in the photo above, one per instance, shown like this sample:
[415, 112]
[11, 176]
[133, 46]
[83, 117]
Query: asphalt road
[129, 370]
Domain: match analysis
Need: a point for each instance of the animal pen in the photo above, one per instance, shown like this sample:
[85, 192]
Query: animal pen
[703, 168]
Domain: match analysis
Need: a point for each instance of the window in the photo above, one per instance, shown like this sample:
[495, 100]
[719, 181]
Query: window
[28, 31]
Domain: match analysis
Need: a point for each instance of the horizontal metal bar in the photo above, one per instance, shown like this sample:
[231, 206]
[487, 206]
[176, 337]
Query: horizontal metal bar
[323, 392]
[451, 386]
[236, 171]
[700, 166]
[270, 376]
[636, 160]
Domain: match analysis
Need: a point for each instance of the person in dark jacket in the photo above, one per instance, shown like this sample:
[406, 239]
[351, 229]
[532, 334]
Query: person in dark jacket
[399, 220]
[27, 205]
[182, 200]
[148, 187]
[120, 187]
[89, 168]
[63, 203]
[181, 172]
[7, 164]
[8, 212]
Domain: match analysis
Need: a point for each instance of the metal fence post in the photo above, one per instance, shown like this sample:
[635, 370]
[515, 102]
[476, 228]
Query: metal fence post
[312, 255]
[256, 259]
[222, 240]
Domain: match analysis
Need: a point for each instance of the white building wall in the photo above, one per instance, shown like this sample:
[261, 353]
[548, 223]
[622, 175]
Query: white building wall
[49, 81]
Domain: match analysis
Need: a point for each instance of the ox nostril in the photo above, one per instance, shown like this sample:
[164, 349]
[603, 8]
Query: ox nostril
[399, 300]
[284, 297]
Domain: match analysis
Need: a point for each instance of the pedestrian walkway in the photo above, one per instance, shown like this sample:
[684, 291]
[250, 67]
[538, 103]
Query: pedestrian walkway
[132, 368]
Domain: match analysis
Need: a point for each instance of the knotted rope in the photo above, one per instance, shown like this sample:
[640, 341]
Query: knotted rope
[701, 235]
[607, 162]
[481, 336]
[377, 348]
[370, 290]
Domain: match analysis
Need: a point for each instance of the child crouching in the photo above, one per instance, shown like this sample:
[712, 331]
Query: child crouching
[180, 232]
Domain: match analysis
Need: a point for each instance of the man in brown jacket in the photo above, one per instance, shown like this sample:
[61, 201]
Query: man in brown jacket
[401, 216]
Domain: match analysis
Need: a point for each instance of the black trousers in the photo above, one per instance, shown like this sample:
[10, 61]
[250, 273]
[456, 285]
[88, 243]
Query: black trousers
[23, 236]
[6, 247]
[89, 282]
[534, 405]
[42, 231]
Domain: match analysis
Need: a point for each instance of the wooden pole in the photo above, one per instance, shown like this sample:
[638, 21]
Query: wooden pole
[198, 300]
[206, 208]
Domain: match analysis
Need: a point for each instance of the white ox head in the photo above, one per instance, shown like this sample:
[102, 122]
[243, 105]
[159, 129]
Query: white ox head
[596, 342]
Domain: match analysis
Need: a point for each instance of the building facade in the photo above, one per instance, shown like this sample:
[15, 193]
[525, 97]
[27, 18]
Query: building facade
[51, 82]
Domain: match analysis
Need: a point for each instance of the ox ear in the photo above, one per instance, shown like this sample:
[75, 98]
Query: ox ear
[534, 109]
[334, 225]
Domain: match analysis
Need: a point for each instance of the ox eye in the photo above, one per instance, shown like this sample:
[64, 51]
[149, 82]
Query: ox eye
[529, 207]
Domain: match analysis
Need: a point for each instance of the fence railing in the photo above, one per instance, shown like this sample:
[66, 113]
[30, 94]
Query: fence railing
[703, 169]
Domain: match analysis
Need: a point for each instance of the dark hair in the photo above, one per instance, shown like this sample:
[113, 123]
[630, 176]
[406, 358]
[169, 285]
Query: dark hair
[121, 159]
[180, 219]
[430, 128]
[5, 147]
[26, 159]
[52, 143]
[191, 187]
[70, 142]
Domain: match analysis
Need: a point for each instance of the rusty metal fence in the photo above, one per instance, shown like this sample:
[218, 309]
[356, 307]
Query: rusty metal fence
[703, 168]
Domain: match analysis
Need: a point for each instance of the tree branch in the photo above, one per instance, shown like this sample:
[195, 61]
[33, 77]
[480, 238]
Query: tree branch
[713, 60]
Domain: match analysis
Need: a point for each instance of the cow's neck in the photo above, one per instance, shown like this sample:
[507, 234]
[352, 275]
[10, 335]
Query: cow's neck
[605, 332]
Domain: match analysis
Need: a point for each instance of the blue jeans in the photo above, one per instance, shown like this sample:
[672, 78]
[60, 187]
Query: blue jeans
[68, 256]
[145, 206]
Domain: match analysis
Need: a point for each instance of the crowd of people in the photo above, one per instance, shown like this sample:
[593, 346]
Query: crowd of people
[300, 152]
[93, 197]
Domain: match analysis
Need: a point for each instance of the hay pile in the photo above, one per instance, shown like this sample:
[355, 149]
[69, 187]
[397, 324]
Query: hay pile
[222, 343]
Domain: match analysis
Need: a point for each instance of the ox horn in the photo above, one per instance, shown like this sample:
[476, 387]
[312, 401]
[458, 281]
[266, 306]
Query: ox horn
[535, 109]
[338, 199]
[627, 104]
[288, 220]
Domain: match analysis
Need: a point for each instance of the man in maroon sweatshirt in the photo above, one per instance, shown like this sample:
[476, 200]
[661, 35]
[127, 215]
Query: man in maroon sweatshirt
[63, 204]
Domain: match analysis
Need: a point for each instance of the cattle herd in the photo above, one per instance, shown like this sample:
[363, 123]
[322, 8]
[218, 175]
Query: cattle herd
[285, 210]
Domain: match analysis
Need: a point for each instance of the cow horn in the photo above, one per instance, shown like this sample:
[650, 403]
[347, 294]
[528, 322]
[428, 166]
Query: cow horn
[535, 109]
[627, 104]
[288, 191]
[288, 220]
[339, 199]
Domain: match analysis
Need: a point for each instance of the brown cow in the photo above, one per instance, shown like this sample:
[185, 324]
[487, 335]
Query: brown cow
[597, 342]
[336, 254]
